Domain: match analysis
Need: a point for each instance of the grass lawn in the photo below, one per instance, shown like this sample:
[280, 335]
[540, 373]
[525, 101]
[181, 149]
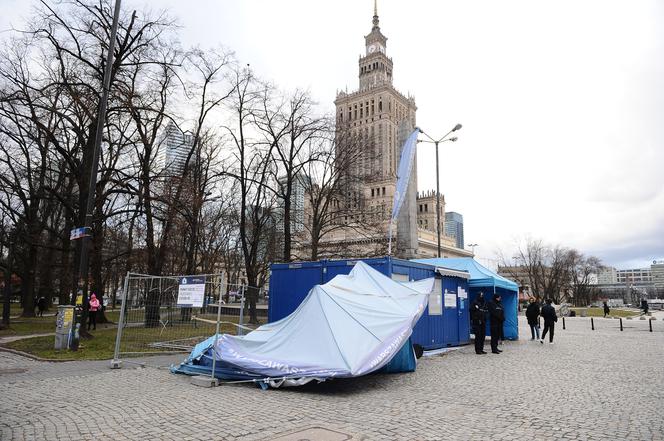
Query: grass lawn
[135, 340]
[599, 312]
[98, 348]
[26, 326]
[40, 325]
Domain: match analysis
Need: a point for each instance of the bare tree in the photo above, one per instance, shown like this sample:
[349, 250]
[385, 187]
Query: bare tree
[292, 130]
[582, 269]
[251, 167]
[547, 268]
[334, 203]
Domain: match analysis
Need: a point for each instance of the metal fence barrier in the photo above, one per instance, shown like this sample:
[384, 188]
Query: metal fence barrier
[150, 321]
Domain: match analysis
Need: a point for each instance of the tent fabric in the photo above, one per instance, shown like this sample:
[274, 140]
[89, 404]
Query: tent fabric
[351, 326]
[480, 276]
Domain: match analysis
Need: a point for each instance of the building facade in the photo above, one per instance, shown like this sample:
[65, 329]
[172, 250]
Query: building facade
[174, 149]
[426, 211]
[378, 118]
[607, 276]
[381, 118]
[657, 274]
[296, 208]
[454, 227]
[639, 275]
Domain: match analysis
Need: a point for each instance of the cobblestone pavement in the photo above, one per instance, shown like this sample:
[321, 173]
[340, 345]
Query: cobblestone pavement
[590, 385]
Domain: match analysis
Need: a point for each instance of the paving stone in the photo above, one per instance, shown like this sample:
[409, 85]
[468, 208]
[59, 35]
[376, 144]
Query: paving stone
[591, 385]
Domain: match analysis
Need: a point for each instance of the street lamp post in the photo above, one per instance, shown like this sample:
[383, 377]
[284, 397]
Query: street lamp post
[472, 245]
[92, 184]
[436, 142]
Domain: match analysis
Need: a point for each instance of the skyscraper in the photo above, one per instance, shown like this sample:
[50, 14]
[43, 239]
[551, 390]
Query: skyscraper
[296, 209]
[174, 150]
[454, 227]
[381, 118]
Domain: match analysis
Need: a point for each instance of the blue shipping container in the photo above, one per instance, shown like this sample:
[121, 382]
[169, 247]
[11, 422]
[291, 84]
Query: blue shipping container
[444, 323]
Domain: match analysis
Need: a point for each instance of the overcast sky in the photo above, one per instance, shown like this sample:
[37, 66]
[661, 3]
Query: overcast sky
[562, 102]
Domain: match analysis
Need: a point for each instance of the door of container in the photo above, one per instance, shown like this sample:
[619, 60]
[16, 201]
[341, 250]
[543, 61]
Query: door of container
[464, 312]
[450, 312]
[434, 317]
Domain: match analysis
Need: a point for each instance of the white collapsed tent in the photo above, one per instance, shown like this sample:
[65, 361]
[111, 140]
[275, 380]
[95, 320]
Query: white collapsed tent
[353, 325]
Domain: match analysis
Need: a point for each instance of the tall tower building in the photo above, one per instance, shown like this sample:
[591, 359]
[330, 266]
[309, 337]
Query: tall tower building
[174, 150]
[454, 227]
[381, 118]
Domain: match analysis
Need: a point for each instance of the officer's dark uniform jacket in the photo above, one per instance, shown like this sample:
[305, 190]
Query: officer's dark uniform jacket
[478, 312]
[496, 314]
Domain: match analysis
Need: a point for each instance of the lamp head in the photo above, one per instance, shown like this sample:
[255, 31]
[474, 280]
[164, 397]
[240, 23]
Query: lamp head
[454, 139]
[457, 127]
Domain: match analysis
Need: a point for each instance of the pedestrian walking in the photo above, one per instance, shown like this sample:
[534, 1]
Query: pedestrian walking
[607, 310]
[496, 319]
[478, 321]
[92, 312]
[532, 314]
[41, 306]
[644, 306]
[550, 319]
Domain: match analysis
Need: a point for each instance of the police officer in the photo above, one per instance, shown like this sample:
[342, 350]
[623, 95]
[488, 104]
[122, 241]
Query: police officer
[478, 320]
[496, 319]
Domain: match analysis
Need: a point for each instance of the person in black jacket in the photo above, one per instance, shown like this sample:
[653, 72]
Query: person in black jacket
[550, 318]
[478, 321]
[607, 310]
[496, 319]
[532, 313]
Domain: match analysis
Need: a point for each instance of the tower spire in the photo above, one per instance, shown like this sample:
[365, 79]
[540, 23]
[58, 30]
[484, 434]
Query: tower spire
[375, 17]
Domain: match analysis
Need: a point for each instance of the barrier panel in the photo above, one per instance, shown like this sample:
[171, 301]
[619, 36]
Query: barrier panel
[161, 315]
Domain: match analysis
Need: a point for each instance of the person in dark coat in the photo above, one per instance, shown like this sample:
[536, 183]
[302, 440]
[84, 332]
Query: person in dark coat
[607, 310]
[496, 319]
[644, 306]
[532, 314]
[550, 319]
[41, 306]
[478, 321]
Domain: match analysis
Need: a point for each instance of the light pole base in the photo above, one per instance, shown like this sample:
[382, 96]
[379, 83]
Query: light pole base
[116, 364]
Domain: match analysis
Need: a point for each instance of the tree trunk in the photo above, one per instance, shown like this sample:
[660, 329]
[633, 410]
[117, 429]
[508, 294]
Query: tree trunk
[28, 282]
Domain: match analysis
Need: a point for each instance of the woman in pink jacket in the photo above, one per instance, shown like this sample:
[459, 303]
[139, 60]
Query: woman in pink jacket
[92, 312]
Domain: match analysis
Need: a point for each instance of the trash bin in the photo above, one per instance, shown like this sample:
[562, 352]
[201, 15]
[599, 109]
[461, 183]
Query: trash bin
[64, 323]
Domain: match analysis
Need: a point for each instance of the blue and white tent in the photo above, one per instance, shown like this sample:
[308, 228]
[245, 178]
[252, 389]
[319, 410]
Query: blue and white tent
[484, 280]
[351, 326]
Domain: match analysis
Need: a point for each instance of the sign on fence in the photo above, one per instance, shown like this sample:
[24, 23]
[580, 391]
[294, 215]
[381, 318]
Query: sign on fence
[191, 292]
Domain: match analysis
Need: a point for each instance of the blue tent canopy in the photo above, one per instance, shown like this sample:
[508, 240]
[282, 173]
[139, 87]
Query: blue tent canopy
[483, 279]
[480, 276]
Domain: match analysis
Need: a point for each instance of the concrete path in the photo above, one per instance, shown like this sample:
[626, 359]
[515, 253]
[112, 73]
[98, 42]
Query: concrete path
[590, 385]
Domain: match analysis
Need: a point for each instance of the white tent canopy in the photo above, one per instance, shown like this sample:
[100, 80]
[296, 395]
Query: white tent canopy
[350, 326]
